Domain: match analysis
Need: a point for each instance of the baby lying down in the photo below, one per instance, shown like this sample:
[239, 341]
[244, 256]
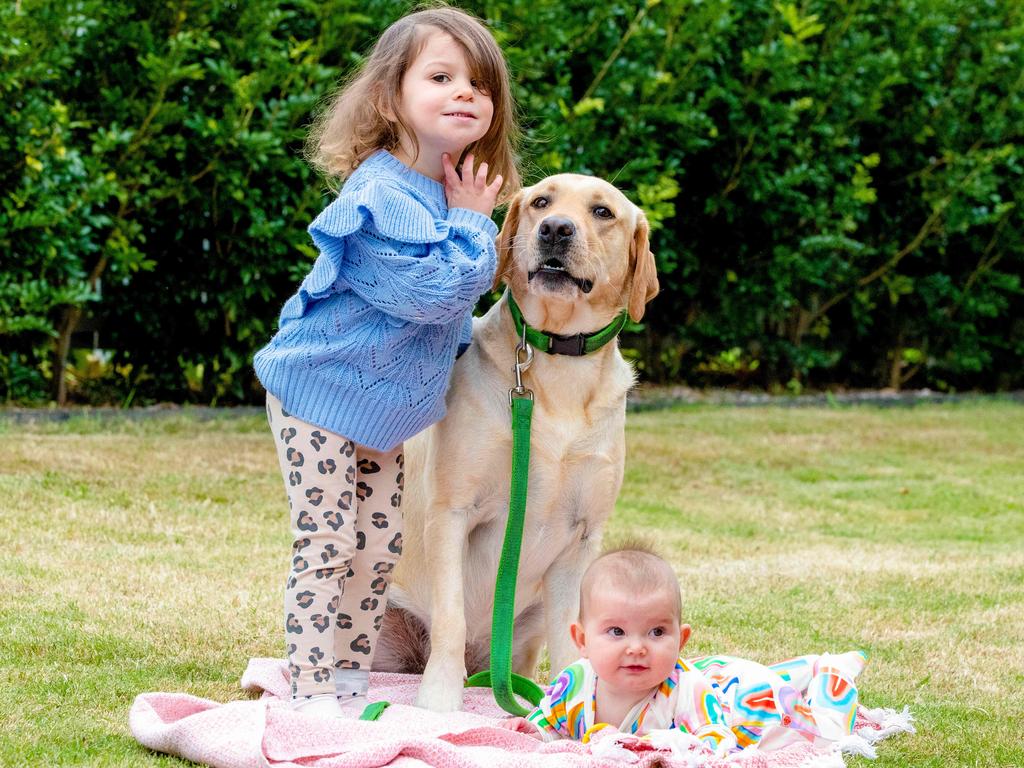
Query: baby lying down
[632, 679]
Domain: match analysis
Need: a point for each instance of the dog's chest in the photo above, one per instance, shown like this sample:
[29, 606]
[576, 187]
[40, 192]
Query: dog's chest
[574, 473]
[574, 477]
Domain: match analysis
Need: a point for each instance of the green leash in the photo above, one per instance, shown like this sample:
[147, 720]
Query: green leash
[505, 684]
[375, 710]
[500, 677]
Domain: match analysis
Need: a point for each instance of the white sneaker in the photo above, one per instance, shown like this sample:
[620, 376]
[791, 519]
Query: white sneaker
[321, 705]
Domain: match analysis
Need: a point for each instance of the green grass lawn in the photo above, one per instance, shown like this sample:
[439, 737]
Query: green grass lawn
[144, 556]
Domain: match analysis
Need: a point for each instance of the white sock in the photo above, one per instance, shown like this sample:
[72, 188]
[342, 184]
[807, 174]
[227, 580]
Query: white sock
[321, 705]
[351, 682]
[350, 686]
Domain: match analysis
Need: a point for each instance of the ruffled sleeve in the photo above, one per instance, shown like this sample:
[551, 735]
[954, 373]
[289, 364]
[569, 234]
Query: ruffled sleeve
[384, 244]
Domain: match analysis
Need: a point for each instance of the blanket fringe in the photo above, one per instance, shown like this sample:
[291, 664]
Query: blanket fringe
[889, 722]
[856, 745]
[885, 723]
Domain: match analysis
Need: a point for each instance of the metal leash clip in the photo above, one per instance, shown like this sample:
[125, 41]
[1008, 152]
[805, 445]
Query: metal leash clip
[521, 365]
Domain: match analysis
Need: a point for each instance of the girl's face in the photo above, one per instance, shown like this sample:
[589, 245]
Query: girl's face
[442, 104]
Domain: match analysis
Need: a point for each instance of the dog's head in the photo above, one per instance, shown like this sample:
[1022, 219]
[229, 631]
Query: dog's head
[574, 252]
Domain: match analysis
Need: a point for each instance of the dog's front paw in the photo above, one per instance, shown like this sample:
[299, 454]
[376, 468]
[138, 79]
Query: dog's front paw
[441, 691]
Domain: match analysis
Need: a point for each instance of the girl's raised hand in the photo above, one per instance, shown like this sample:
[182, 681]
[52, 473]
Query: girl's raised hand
[471, 190]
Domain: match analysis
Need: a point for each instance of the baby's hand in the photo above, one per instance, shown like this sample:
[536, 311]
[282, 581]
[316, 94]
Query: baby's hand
[520, 725]
[471, 190]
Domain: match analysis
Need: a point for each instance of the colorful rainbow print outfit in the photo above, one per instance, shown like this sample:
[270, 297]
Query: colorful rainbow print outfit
[727, 702]
[685, 700]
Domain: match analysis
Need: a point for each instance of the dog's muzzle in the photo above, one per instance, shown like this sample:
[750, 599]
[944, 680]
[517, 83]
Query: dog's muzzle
[554, 236]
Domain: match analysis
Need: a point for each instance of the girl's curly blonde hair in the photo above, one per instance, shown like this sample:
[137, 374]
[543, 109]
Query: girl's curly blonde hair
[355, 124]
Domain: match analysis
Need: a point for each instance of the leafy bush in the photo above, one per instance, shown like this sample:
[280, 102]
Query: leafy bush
[835, 190]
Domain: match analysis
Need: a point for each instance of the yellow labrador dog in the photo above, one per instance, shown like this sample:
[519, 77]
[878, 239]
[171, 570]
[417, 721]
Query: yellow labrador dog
[574, 254]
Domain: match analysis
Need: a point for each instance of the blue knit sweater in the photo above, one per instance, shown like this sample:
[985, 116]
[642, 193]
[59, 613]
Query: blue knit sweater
[365, 348]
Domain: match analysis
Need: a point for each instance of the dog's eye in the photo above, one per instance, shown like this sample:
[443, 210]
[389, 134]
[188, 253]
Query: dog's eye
[539, 202]
[603, 213]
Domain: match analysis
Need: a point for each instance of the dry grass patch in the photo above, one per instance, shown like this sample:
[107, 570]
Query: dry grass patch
[141, 556]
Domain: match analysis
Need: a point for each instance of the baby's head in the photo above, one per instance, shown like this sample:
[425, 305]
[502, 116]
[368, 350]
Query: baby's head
[369, 112]
[634, 569]
[630, 625]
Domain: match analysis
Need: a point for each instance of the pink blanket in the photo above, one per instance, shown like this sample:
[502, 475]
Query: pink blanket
[266, 732]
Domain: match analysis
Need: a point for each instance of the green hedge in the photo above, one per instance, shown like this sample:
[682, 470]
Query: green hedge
[835, 188]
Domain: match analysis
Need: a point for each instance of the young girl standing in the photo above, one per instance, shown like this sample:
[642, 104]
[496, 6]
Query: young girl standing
[365, 348]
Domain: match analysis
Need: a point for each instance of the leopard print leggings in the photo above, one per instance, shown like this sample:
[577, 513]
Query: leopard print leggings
[346, 524]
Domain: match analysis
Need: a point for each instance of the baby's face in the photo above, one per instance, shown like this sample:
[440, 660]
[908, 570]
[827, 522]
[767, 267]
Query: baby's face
[631, 640]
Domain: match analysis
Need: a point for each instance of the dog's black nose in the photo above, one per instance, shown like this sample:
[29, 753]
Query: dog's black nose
[556, 230]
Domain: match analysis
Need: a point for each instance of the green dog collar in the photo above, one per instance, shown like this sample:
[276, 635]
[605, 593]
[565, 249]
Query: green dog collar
[575, 346]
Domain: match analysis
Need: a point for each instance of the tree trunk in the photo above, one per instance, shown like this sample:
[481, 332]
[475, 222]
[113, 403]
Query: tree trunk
[68, 324]
[62, 347]
[896, 369]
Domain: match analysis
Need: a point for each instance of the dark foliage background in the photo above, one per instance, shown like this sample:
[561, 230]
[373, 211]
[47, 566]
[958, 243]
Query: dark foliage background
[835, 187]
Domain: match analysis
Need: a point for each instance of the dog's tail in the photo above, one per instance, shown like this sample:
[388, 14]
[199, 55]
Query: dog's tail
[403, 644]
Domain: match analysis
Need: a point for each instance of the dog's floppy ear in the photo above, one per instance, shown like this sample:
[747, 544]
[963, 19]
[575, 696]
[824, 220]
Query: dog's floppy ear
[643, 284]
[505, 240]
